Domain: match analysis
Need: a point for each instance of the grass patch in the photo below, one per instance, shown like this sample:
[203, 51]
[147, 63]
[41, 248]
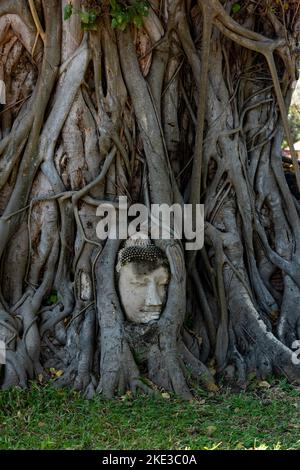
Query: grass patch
[45, 418]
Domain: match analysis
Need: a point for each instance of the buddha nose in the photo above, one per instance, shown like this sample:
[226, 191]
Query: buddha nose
[152, 296]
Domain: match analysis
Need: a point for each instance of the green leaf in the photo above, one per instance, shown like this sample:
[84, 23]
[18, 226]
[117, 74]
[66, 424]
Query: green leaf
[138, 22]
[68, 10]
[88, 20]
[114, 23]
[52, 298]
[89, 26]
[123, 14]
[115, 8]
[85, 17]
[93, 16]
[142, 8]
[235, 8]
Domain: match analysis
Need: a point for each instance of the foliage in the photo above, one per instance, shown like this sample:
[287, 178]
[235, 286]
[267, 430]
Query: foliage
[278, 7]
[122, 14]
[52, 298]
[88, 18]
[235, 8]
[68, 10]
[45, 418]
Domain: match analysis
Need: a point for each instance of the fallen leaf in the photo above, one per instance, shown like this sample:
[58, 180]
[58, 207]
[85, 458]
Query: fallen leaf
[240, 445]
[211, 430]
[264, 384]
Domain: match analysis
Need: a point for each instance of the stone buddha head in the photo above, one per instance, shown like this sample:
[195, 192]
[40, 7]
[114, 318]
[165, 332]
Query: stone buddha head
[143, 278]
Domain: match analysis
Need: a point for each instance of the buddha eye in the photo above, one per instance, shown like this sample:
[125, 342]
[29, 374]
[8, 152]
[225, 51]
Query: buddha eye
[137, 283]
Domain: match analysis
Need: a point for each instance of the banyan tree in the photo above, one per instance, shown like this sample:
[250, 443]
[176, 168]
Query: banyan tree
[161, 101]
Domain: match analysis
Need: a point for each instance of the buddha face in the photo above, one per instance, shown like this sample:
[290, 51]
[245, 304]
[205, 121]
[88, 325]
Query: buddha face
[143, 290]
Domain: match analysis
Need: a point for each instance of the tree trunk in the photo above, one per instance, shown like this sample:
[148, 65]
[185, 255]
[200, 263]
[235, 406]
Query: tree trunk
[191, 107]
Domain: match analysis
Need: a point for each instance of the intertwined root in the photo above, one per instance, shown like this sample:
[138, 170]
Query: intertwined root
[93, 116]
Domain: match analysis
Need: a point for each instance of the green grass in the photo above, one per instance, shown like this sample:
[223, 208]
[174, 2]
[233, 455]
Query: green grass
[45, 418]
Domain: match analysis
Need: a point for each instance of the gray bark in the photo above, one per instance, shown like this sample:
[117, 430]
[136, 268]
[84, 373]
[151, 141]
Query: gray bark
[192, 107]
